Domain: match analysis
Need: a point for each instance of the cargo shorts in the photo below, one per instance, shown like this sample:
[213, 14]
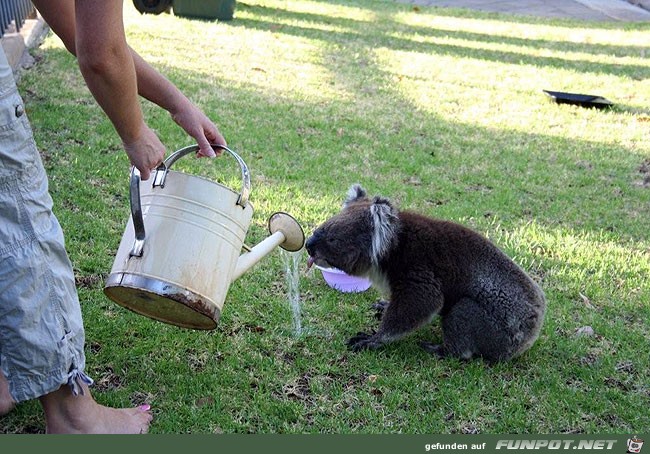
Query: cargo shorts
[41, 330]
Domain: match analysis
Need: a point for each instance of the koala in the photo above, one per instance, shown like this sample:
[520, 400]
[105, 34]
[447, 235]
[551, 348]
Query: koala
[489, 307]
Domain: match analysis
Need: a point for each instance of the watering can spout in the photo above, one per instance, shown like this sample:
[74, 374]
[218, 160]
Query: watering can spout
[285, 232]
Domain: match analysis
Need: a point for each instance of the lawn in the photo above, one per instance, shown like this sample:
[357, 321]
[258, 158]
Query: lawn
[440, 110]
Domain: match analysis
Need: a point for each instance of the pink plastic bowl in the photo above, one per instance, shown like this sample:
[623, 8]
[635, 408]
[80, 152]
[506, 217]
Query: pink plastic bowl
[343, 282]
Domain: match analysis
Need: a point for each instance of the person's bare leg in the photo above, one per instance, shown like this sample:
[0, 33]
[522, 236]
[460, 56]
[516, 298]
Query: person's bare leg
[66, 413]
[7, 402]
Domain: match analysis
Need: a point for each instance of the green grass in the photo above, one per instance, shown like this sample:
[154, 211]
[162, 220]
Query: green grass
[441, 110]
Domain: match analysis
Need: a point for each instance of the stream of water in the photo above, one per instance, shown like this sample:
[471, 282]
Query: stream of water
[292, 272]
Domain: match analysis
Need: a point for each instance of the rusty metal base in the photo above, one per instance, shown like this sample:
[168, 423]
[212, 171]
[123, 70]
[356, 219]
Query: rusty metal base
[161, 301]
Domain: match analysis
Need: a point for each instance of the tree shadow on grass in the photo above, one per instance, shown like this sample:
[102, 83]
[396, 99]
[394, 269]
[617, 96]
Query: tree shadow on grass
[476, 47]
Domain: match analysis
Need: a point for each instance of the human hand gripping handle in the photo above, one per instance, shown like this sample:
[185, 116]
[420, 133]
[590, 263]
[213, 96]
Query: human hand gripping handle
[200, 127]
[145, 153]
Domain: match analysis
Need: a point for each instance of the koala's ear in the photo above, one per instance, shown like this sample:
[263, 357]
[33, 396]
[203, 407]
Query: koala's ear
[355, 193]
[385, 222]
[383, 210]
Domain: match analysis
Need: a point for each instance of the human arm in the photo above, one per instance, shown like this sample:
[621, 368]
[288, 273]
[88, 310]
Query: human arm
[156, 88]
[62, 18]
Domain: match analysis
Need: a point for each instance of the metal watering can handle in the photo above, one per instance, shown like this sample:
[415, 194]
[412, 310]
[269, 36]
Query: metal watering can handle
[161, 171]
[159, 180]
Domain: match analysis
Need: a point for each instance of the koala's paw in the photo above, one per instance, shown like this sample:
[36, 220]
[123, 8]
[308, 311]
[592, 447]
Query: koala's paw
[435, 349]
[364, 341]
[379, 307]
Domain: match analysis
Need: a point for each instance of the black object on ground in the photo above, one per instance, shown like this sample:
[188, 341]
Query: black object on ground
[579, 99]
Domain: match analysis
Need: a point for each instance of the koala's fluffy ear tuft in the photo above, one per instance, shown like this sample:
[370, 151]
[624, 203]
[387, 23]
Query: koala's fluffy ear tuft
[355, 193]
[379, 200]
[385, 222]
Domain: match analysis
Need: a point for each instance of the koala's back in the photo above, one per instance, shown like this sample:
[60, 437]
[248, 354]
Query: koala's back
[485, 292]
[464, 260]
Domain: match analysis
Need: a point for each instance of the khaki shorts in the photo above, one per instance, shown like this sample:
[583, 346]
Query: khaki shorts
[41, 331]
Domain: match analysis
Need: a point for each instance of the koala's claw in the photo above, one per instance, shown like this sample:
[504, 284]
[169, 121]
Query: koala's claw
[363, 341]
[379, 307]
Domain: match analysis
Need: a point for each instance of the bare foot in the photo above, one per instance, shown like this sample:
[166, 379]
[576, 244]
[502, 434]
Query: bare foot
[7, 402]
[66, 413]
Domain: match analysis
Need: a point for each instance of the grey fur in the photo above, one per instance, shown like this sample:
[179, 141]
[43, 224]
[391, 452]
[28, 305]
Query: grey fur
[384, 226]
[489, 307]
[355, 192]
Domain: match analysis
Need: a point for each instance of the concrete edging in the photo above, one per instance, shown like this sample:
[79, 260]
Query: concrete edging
[15, 44]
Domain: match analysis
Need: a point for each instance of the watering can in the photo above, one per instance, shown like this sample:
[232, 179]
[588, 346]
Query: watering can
[179, 269]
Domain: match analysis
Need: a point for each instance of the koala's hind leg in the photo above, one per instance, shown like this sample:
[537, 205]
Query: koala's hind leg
[469, 330]
[407, 311]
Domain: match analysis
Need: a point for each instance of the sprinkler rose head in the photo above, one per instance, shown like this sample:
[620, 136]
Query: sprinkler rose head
[293, 233]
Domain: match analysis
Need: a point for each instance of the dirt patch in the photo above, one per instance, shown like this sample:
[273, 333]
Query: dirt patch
[107, 380]
[299, 389]
[644, 171]
[89, 281]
